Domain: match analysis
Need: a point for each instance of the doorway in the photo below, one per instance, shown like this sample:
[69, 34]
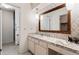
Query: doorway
[9, 28]
[8, 32]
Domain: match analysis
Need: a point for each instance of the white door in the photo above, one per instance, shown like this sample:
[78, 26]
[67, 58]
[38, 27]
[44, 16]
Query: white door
[7, 26]
[0, 29]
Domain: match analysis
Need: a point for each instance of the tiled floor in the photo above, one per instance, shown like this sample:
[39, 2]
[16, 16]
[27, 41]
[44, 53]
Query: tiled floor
[11, 49]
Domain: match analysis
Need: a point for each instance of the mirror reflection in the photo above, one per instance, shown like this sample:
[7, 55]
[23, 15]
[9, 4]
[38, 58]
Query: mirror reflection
[57, 20]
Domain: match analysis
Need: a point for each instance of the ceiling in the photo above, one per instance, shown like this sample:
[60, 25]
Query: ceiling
[37, 7]
[33, 5]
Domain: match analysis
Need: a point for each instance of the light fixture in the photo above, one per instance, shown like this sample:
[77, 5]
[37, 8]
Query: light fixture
[37, 15]
[70, 4]
[6, 5]
[41, 17]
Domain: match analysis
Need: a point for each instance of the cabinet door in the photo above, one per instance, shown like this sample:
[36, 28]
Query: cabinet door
[31, 46]
[43, 44]
[40, 50]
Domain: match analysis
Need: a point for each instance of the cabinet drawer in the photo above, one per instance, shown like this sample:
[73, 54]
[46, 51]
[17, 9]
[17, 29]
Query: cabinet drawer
[43, 44]
[30, 38]
[31, 46]
[40, 50]
[58, 49]
[37, 41]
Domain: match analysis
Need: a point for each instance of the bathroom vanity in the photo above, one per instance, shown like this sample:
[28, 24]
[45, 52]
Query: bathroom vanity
[44, 45]
[55, 20]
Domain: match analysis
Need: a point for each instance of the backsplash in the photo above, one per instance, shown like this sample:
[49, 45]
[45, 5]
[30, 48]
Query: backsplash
[55, 35]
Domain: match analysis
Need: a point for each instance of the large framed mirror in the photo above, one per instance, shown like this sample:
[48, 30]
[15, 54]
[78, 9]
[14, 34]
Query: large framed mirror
[56, 20]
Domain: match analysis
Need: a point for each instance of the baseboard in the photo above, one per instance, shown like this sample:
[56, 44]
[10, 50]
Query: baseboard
[31, 52]
[0, 49]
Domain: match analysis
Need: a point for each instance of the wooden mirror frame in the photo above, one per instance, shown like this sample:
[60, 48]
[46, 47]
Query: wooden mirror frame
[56, 31]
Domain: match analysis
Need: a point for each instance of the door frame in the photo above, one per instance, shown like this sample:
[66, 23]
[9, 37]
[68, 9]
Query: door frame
[14, 26]
[17, 19]
[1, 30]
[17, 14]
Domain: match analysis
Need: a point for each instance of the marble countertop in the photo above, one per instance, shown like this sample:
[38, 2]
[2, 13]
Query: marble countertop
[57, 41]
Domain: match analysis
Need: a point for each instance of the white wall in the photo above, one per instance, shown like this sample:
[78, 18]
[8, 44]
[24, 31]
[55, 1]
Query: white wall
[75, 20]
[17, 25]
[25, 25]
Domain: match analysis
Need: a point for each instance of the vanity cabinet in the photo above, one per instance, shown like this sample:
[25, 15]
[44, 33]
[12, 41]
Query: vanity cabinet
[37, 47]
[39, 50]
[59, 50]
[31, 45]
[43, 44]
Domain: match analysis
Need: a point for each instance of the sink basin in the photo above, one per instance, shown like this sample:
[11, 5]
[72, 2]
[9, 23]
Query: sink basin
[61, 42]
[54, 40]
